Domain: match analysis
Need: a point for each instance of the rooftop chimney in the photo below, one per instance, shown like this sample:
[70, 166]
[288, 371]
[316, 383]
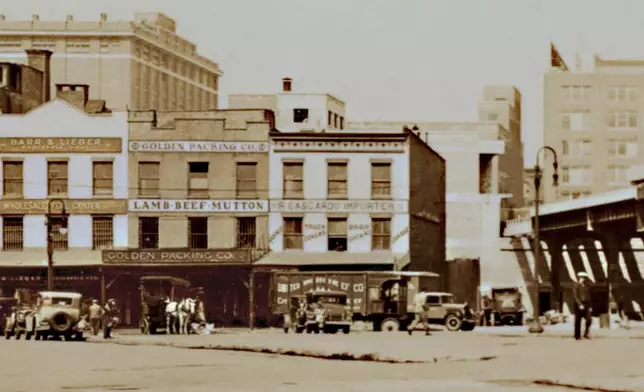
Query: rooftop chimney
[103, 17]
[35, 17]
[70, 18]
[41, 60]
[75, 94]
[287, 85]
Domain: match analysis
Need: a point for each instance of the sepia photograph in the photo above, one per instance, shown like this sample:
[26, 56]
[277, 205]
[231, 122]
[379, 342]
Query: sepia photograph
[307, 195]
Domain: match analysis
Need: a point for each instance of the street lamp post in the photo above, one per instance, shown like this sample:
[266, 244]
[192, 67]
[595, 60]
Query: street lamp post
[62, 216]
[536, 326]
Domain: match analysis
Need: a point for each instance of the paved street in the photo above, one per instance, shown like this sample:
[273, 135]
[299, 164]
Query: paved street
[454, 362]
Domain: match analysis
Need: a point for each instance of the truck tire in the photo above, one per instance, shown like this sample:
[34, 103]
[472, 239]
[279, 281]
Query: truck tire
[60, 322]
[346, 330]
[390, 325]
[453, 322]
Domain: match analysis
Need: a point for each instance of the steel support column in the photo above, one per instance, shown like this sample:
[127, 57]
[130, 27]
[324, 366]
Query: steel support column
[555, 249]
[611, 240]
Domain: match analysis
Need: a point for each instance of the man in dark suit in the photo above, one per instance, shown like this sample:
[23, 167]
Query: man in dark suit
[581, 294]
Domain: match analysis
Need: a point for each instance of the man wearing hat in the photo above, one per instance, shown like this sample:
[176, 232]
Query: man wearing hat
[109, 317]
[95, 314]
[582, 305]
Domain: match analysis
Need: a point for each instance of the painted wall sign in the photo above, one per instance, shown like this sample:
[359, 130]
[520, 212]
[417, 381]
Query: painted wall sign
[206, 256]
[197, 146]
[210, 206]
[348, 206]
[72, 206]
[400, 235]
[274, 234]
[43, 278]
[41, 145]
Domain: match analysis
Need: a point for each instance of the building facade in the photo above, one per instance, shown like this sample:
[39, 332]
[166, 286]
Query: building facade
[592, 119]
[55, 155]
[355, 201]
[198, 205]
[139, 64]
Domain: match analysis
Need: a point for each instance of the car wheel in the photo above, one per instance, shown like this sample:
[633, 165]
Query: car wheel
[390, 325]
[346, 330]
[453, 322]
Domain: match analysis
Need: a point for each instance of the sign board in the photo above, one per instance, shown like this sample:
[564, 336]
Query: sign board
[43, 145]
[72, 206]
[196, 146]
[348, 206]
[190, 256]
[40, 279]
[209, 206]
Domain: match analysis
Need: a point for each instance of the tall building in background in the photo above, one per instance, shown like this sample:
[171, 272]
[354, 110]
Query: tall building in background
[592, 120]
[141, 64]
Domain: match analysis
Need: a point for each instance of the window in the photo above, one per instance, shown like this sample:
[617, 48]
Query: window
[198, 233]
[12, 182]
[12, 233]
[149, 178]
[330, 119]
[57, 178]
[102, 232]
[380, 179]
[492, 116]
[576, 175]
[622, 93]
[300, 115]
[337, 228]
[341, 122]
[198, 179]
[575, 121]
[149, 233]
[622, 120]
[575, 93]
[380, 234]
[246, 179]
[576, 148]
[337, 179]
[102, 177]
[617, 175]
[59, 240]
[293, 238]
[293, 180]
[246, 229]
[622, 148]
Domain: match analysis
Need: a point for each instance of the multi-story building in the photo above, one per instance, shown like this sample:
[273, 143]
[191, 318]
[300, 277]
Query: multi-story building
[25, 87]
[139, 64]
[198, 205]
[355, 201]
[59, 155]
[592, 119]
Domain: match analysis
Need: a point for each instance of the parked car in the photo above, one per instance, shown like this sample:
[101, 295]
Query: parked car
[57, 315]
[445, 311]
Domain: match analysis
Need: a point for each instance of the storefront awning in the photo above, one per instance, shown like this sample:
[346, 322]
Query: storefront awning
[38, 258]
[301, 258]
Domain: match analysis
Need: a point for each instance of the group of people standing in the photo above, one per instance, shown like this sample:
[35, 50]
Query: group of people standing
[103, 317]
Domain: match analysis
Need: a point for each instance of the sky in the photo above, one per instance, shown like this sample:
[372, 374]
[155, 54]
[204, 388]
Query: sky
[389, 60]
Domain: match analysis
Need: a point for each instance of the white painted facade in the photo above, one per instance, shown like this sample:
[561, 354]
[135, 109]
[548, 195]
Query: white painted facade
[359, 192]
[57, 118]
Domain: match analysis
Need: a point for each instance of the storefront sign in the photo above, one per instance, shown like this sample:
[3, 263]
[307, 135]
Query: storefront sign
[41, 145]
[72, 206]
[42, 278]
[152, 205]
[196, 146]
[206, 256]
[348, 206]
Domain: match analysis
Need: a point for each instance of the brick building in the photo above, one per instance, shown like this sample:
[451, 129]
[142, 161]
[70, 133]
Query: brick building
[198, 205]
[25, 87]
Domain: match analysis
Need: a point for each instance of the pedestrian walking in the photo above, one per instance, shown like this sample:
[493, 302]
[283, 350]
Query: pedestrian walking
[487, 310]
[582, 305]
[420, 315]
[109, 314]
[95, 315]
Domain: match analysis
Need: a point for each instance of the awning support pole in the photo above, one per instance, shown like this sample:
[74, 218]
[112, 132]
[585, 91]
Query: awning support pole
[251, 299]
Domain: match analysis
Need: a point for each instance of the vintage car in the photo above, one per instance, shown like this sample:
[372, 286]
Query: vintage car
[323, 311]
[15, 321]
[443, 310]
[57, 315]
[7, 304]
[507, 306]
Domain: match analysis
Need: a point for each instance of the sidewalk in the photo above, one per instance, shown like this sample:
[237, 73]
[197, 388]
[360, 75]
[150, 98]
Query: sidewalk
[566, 330]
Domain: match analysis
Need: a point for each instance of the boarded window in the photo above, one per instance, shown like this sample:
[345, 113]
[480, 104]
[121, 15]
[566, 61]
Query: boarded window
[380, 234]
[103, 178]
[246, 232]
[337, 237]
[293, 180]
[12, 182]
[198, 233]
[337, 179]
[149, 233]
[57, 178]
[59, 240]
[149, 178]
[380, 179]
[293, 236]
[246, 176]
[102, 232]
[198, 179]
[12, 233]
